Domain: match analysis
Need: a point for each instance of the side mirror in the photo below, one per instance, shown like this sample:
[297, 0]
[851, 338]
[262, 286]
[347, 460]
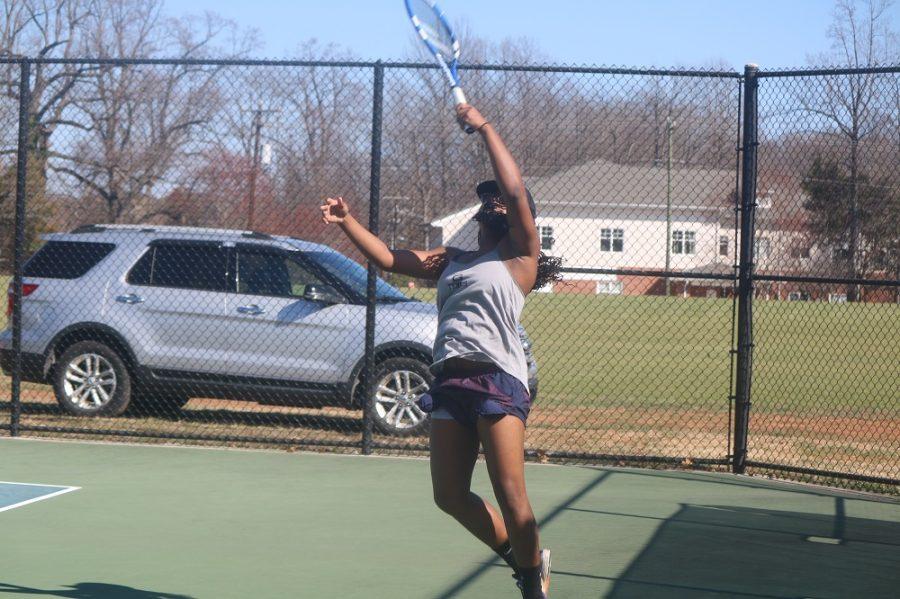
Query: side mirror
[325, 294]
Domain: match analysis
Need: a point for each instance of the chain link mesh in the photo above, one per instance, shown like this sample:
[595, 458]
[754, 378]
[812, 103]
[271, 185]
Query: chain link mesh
[183, 287]
[827, 327]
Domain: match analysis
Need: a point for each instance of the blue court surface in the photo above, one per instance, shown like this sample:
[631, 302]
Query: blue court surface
[16, 494]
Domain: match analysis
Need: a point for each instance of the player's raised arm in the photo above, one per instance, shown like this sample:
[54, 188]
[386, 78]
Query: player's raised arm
[422, 264]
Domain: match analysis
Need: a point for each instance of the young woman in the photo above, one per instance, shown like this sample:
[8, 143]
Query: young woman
[480, 392]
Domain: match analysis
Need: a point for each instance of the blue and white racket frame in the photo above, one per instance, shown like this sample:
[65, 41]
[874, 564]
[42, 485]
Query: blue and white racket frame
[448, 68]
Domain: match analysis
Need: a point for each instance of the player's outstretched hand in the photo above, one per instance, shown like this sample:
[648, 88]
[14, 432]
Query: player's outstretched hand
[469, 117]
[334, 210]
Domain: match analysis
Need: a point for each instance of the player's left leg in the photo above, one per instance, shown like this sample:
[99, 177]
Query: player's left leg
[503, 440]
[454, 450]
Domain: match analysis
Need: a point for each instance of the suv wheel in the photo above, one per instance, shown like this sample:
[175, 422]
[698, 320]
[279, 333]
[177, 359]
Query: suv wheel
[398, 383]
[90, 379]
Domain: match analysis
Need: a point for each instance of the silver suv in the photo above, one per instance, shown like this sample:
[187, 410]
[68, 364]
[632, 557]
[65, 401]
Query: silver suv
[117, 317]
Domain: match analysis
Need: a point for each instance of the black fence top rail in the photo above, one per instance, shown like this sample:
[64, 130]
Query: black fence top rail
[830, 71]
[224, 62]
[392, 64]
[827, 280]
[371, 64]
[672, 274]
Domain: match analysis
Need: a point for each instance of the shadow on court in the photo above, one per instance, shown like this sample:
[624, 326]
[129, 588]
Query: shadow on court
[736, 552]
[470, 577]
[725, 550]
[90, 590]
[352, 423]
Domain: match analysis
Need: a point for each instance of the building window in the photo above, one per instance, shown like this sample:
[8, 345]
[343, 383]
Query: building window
[762, 248]
[724, 242]
[800, 252]
[841, 253]
[612, 240]
[684, 242]
[610, 287]
[547, 239]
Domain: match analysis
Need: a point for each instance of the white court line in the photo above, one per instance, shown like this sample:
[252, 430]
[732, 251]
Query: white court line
[35, 499]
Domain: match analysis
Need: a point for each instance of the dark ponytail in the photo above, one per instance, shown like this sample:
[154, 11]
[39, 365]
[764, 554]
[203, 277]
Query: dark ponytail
[548, 270]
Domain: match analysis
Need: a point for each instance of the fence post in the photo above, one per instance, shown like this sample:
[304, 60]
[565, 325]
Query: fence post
[374, 206]
[19, 243]
[745, 272]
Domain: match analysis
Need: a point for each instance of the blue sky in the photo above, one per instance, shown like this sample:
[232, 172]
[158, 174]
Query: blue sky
[692, 33]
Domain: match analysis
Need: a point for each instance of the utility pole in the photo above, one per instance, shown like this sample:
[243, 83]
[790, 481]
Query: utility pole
[395, 221]
[257, 126]
[394, 226]
[426, 226]
[670, 126]
[395, 215]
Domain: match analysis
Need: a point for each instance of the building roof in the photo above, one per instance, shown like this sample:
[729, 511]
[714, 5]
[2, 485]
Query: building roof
[601, 183]
[604, 183]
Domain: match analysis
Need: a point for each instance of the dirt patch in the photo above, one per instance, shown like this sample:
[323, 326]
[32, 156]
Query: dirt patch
[866, 445]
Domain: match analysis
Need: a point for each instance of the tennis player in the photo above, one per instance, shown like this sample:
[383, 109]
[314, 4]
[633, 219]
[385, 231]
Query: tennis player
[480, 392]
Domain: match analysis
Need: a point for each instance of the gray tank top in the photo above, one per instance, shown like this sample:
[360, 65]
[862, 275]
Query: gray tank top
[479, 304]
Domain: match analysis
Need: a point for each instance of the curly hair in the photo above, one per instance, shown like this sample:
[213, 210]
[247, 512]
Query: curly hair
[548, 271]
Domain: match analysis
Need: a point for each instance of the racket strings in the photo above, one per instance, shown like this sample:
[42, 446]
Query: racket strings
[433, 29]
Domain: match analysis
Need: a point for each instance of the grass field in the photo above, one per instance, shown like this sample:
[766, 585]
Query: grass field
[842, 359]
[657, 351]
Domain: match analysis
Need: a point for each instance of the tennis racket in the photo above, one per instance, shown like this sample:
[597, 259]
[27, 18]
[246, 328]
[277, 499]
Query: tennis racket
[432, 27]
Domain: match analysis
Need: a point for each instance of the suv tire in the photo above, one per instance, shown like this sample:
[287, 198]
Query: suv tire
[90, 379]
[397, 384]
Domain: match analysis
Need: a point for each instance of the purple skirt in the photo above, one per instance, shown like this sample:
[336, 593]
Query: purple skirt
[466, 398]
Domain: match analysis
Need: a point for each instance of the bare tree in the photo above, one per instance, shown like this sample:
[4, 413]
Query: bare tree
[44, 29]
[849, 104]
[132, 126]
[319, 126]
[35, 29]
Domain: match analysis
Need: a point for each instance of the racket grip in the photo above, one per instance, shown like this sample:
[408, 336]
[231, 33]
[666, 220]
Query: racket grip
[460, 98]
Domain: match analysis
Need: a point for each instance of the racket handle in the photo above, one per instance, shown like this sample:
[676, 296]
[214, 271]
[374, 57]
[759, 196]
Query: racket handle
[460, 98]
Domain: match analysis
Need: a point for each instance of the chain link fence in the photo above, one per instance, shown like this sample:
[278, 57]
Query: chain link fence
[827, 255]
[180, 284]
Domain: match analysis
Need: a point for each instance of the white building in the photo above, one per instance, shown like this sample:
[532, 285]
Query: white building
[601, 215]
[606, 216]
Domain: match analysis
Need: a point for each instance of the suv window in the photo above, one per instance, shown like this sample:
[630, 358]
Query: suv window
[143, 268]
[183, 265]
[66, 259]
[272, 273]
[353, 275]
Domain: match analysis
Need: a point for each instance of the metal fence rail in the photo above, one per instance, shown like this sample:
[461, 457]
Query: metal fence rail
[712, 314]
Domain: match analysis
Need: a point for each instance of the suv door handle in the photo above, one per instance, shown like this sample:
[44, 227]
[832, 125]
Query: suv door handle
[131, 298]
[252, 310]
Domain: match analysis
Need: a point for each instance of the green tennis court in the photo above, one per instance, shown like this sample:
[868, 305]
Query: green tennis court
[139, 522]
